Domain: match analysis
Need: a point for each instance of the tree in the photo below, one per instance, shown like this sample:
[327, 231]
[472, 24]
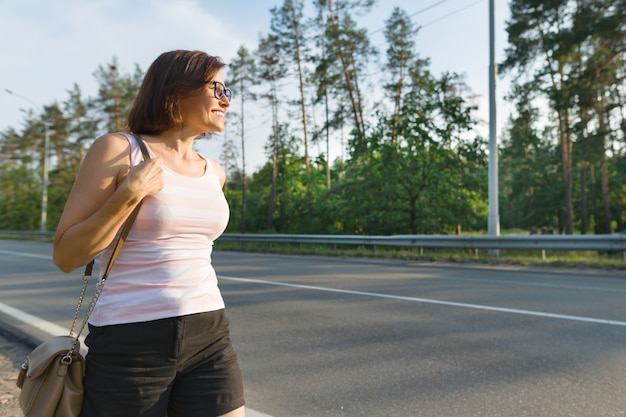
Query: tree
[598, 27]
[348, 53]
[20, 194]
[271, 68]
[536, 33]
[23, 154]
[230, 153]
[573, 50]
[530, 198]
[400, 34]
[288, 29]
[82, 126]
[116, 93]
[430, 179]
[321, 78]
[243, 75]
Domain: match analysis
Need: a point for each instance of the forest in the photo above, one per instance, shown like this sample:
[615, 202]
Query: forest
[413, 162]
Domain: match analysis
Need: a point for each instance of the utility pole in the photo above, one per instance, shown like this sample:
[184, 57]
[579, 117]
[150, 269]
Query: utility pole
[44, 175]
[494, 216]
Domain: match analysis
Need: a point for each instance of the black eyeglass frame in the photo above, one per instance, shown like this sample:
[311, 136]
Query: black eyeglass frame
[224, 91]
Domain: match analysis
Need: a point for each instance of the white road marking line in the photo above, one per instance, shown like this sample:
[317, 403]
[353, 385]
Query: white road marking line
[430, 301]
[41, 324]
[56, 330]
[398, 297]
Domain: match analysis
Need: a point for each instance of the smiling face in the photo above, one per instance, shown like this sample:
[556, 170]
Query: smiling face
[202, 111]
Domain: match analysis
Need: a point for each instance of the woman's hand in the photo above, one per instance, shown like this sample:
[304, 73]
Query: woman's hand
[144, 179]
[105, 192]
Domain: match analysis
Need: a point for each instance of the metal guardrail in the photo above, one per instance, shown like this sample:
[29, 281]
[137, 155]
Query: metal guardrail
[607, 242]
[542, 243]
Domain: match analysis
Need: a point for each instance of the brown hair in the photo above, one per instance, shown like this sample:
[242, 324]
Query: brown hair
[172, 76]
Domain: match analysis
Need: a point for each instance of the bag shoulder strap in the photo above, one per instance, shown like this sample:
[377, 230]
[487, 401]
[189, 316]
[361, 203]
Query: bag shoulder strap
[89, 267]
[127, 224]
[131, 218]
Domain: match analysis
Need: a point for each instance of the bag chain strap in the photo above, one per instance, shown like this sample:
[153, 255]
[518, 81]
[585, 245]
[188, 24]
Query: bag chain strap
[88, 269]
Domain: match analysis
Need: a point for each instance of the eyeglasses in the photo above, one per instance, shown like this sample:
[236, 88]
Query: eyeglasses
[220, 90]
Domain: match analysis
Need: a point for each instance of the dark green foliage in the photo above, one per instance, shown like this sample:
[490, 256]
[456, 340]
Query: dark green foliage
[20, 197]
[568, 60]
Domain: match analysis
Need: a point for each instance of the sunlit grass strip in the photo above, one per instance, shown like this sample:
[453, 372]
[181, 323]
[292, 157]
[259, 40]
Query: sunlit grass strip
[571, 259]
[27, 237]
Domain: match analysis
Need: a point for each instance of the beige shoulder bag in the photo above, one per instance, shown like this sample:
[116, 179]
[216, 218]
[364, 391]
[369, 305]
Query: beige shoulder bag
[51, 378]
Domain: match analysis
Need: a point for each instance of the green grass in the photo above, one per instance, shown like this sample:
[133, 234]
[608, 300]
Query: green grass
[27, 237]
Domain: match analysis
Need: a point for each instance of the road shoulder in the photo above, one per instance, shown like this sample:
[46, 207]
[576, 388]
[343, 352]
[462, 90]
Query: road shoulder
[13, 351]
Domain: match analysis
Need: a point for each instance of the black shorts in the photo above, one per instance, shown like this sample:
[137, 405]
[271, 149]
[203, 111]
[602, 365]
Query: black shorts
[176, 367]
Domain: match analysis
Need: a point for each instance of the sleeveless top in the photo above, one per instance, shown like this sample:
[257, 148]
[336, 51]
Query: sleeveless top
[164, 267]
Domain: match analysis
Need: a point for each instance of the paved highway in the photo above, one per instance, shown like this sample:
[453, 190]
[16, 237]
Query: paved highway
[331, 337]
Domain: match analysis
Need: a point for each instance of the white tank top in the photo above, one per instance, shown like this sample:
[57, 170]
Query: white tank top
[164, 267]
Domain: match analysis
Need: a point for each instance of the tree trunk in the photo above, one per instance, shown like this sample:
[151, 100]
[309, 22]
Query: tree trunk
[583, 199]
[566, 154]
[604, 166]
[356, 112]
[594, 198]
[307, 164]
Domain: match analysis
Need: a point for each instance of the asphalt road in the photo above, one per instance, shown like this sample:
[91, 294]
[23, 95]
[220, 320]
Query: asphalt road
[330, 337]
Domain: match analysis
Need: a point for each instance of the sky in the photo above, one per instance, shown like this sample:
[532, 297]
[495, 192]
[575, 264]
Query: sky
[47, 46]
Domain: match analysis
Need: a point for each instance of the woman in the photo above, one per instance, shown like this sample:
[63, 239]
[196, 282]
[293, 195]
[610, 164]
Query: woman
[158, 338]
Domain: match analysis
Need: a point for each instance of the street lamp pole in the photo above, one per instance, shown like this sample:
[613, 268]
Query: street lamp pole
[494, 216]
[44, 176]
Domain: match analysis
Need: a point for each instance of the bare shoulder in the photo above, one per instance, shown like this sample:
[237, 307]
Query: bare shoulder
[108, 152]
[109, 145]
[221, 174]
[105, 165]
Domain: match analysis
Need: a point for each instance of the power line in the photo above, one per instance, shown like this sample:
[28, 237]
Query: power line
[416, 13]
[427, 8]
[436, 20]
[451, 13]
[439, 18]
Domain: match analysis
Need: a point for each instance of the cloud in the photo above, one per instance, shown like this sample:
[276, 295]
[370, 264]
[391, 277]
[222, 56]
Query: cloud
[49, 46]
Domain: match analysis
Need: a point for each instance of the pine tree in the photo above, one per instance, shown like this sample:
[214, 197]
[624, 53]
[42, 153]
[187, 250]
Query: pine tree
[243, 75]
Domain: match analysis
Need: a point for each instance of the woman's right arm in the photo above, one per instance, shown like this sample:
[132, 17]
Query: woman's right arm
[105, 192]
